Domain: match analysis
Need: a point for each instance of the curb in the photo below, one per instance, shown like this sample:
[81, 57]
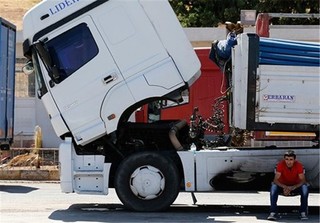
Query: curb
[41, 175]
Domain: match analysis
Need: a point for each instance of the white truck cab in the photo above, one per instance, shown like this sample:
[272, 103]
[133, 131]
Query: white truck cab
[96, 59]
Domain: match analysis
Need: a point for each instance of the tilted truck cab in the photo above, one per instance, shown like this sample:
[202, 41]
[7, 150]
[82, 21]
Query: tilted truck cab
[96, 61]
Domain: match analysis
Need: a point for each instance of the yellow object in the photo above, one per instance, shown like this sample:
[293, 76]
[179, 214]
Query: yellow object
[303, 134]
[37, 143]
[37, 137]
[188, 184]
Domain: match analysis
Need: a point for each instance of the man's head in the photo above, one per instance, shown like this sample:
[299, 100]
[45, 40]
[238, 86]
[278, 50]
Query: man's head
[289, 158]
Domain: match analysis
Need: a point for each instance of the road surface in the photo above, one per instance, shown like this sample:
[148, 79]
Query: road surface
[41, 202]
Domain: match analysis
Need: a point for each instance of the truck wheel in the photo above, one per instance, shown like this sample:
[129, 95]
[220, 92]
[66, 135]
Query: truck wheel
[147, 181]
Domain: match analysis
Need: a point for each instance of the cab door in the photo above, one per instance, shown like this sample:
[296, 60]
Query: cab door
[84, 72]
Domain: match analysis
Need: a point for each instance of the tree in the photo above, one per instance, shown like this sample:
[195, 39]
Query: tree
[208, 13]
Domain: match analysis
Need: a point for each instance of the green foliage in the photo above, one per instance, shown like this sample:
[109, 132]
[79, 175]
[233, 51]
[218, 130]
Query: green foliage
[208, 13]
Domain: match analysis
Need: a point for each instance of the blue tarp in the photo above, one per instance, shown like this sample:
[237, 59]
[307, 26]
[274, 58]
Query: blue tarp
[286, 52]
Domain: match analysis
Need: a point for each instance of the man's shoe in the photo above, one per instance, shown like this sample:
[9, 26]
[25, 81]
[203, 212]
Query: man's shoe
[272, 216]
[303, 216]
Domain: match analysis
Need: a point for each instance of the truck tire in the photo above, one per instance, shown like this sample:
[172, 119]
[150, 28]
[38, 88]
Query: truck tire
[147, 181]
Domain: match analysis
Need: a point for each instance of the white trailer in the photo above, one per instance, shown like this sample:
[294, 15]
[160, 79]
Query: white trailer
[96, 62]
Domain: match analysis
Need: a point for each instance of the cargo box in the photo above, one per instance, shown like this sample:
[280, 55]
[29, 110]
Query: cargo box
[275, 85]
[7, 81]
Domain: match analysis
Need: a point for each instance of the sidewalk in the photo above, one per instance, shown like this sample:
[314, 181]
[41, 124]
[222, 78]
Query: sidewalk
[44, 173]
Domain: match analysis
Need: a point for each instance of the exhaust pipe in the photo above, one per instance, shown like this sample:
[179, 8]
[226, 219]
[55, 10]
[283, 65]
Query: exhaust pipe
[173, 134]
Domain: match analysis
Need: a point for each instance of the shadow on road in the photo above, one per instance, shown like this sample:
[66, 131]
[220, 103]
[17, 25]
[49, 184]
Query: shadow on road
[176, 213]
[16, 189]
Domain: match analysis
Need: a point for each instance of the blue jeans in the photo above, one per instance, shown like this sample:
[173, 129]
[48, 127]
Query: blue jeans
[303, 191]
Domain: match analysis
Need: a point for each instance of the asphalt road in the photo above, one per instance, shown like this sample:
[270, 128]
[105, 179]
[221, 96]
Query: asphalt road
[39, 202]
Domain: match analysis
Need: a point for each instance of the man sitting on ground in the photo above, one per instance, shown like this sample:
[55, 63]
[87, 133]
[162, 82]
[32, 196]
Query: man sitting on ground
[289, 179]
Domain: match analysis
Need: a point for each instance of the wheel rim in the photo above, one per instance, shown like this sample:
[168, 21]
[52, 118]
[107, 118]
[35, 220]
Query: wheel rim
[147, 182]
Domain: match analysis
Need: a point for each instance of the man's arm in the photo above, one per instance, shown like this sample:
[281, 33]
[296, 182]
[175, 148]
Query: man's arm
[286, 189]
[302, 181]
[276, 180]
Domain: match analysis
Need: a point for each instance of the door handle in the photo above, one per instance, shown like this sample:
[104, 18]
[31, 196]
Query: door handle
[109, 78]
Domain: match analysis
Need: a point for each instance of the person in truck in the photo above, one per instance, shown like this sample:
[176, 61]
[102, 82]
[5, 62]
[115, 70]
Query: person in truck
[289, 179]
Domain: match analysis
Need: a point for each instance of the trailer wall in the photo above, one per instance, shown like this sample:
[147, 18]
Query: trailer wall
[7, 81]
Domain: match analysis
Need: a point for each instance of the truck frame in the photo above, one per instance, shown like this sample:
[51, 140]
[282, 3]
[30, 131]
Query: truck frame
[96, 63]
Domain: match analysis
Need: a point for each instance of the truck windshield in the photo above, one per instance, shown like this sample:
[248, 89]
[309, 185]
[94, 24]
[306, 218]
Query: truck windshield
[68, 52]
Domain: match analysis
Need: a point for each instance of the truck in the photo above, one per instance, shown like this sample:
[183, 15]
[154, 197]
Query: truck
[7, 81]
[98, 62]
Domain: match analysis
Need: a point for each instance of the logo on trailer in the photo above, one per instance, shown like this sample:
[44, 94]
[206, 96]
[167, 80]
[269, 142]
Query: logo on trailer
[279, 98]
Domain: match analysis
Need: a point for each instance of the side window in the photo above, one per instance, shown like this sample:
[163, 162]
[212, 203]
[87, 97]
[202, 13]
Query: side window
[72, 49]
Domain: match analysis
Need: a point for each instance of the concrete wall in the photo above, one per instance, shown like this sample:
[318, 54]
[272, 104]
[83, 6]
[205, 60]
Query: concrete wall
[30, 112]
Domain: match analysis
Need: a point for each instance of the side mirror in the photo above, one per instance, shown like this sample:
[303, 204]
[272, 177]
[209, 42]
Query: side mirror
[28, 68]
[164, 103]
[39, 94]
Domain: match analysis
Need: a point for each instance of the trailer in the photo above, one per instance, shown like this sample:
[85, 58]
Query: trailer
[7, 82]
[98, 62]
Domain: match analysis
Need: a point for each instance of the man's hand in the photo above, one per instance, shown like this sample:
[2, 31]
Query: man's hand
[287, 190]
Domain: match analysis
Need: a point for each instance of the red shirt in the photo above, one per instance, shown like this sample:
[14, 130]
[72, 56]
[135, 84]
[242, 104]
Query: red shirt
[288, 176]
